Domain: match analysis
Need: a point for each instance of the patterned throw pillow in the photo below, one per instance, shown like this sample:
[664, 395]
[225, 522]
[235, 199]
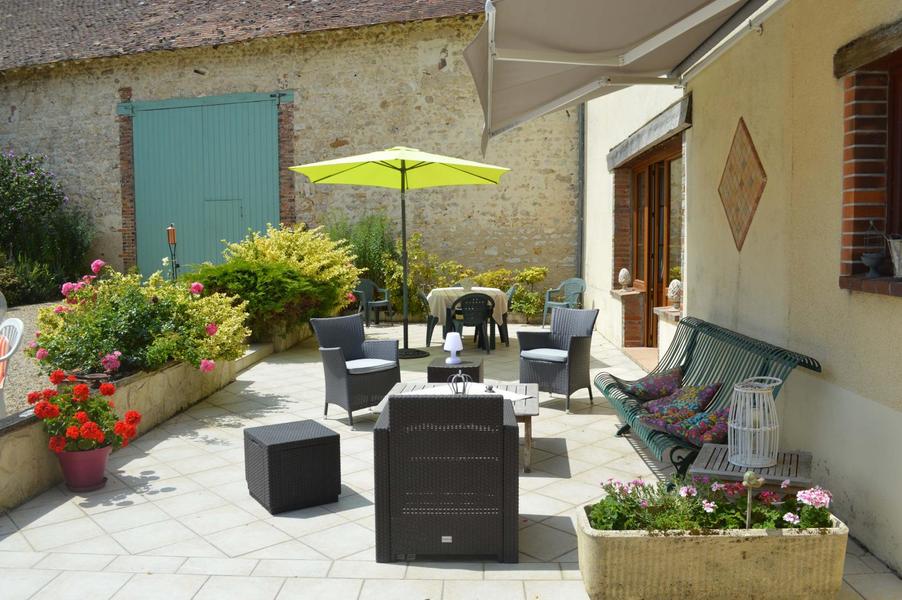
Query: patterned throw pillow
[691, 399]
[703, 428]
[655, 385]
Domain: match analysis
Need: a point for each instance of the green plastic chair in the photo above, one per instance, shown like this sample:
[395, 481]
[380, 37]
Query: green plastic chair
[570, 290]
[368, 291]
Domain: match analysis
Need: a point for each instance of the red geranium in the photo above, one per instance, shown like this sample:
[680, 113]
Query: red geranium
[71, 378]
[57, 443]
[81, 392]
[92, 431]
[132, 417]
[46, 410]
[57, 377]
[78, 418]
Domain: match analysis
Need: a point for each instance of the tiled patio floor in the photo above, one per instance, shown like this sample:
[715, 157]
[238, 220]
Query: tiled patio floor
[176, 522]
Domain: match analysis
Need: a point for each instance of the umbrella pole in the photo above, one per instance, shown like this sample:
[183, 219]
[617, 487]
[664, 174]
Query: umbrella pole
[405, 352]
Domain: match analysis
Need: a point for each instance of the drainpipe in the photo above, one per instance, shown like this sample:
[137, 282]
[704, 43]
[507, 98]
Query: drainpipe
[581, 186]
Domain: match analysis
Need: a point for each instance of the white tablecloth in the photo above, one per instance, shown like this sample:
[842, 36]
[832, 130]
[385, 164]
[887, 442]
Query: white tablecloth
[441, 299]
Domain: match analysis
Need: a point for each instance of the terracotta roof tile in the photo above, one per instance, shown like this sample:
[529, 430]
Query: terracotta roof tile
[34, 32]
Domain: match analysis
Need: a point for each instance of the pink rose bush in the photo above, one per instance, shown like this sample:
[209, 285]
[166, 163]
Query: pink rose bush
[115, 323]
[699, 504]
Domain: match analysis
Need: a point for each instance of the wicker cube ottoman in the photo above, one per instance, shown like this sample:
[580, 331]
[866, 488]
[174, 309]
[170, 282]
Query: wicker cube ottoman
[292, 465]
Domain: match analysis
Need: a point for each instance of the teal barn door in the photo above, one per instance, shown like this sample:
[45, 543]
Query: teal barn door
[208, 165]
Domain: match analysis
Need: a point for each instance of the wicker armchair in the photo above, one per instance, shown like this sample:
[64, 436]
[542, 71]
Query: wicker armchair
[358, 372]
[446, 473]
[558, 360]
[368, 292]
[569, 291]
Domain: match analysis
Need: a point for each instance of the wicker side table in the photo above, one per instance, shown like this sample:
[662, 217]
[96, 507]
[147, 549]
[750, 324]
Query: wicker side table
[292, 465]
[439, 372]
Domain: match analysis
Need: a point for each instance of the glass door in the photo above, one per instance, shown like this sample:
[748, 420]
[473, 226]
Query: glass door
[657, 229]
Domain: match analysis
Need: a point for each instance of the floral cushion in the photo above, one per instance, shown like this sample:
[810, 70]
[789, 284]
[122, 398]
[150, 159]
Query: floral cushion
[702, 428]
[655, 385]
[655, 423]
[689, 400]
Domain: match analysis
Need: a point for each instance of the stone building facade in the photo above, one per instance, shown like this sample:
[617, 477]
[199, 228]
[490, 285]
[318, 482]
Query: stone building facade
[354, 90]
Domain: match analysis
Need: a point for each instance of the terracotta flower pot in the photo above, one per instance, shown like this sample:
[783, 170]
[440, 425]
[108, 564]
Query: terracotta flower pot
[84, 470]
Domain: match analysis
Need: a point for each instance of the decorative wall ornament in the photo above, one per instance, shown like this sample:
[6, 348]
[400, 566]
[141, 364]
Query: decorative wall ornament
[624, 278]
[742, 183]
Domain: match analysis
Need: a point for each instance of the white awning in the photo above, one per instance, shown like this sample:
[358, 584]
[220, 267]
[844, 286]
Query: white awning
[533, 57]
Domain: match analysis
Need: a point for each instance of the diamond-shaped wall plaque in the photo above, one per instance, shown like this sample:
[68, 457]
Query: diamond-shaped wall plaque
[742, 183]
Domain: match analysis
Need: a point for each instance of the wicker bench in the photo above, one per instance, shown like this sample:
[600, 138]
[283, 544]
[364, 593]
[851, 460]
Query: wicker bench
[707, 354]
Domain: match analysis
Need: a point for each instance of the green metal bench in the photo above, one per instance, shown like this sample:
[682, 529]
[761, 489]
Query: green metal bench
[707, 354]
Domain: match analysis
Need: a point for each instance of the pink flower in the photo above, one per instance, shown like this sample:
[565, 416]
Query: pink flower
[41, 354]
[32, 344]
[643, 503]
[708, 506]
[88, 278]
[784, 484]
[197, 288]
[67, 288]
[688, 491]
[717, 486]
[207, 365]
[59, 309]
[791, 518]
[97, 265]
[212, 328]
[816, 497]
[351, 297]
[111, 361]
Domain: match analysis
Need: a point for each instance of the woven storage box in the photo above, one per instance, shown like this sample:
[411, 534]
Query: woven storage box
[292, 465]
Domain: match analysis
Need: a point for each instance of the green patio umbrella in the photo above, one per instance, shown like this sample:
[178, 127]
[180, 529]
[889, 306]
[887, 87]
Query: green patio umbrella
[401, 168]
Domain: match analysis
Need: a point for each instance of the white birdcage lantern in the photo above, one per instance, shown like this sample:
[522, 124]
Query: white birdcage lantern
[754, 427]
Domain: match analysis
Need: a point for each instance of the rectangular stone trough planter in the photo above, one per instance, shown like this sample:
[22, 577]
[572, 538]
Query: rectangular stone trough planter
[731, 563]
[28, 467]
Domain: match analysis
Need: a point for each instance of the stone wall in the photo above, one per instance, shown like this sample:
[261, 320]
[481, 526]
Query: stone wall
[356, 90]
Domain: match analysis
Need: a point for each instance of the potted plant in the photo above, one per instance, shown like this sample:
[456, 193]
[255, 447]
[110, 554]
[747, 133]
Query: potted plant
[667, 540]
[83, 428]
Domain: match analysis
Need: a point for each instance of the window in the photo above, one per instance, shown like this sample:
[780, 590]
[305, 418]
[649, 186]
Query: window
[872, 166]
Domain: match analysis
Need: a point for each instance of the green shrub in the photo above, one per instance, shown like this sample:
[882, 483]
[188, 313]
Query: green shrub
[39, 224]
[141, 324]
[310, 253]
[527, 300]
[426, 271]
[370, 239]
[277, 295]
[24, 281]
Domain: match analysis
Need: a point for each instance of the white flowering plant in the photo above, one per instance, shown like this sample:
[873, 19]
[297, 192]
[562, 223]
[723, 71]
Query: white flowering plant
[700, 504]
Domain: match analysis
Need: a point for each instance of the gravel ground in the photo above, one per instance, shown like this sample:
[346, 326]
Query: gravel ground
[24, 374]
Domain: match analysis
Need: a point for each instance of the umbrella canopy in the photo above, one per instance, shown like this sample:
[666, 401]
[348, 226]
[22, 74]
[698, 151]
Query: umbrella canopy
[386, 167]
[533, 57]
[402, 169]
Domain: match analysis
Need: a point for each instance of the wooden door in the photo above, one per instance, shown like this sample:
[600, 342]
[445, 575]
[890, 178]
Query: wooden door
[657, 235]
[208, 165]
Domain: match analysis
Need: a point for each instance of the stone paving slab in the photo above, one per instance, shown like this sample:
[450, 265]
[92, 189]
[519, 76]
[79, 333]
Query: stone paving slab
[175, 520]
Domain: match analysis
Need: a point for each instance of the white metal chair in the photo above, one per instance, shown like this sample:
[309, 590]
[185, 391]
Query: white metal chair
[3, 306]
[10, 340]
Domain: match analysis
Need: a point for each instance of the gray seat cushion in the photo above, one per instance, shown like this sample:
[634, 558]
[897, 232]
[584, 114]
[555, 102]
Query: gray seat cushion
[369, 365]
[547, 354]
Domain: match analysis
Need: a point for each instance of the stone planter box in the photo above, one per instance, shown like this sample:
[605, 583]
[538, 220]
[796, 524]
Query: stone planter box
[28, 467]
[733, 563]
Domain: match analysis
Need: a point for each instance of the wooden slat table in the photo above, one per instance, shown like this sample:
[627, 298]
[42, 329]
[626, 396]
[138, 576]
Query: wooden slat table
[524, 410]
[713, 461]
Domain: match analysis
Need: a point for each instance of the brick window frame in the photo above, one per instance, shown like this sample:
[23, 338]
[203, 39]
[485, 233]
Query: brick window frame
[872, 148]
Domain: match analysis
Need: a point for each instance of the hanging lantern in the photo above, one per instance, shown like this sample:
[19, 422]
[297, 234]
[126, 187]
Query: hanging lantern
[754, 427]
